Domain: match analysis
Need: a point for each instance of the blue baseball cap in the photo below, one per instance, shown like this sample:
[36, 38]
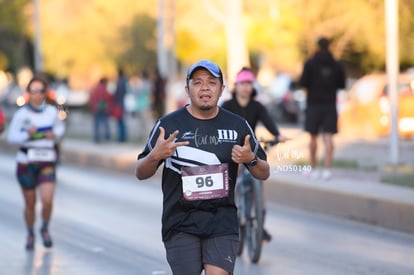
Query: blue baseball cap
[212, 67]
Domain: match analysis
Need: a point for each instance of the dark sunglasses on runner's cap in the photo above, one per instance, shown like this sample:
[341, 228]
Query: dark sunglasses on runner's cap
[212, 67]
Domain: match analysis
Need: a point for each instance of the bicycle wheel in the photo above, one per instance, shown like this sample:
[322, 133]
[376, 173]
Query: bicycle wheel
[242, 238]
[240, 203]
[254, 223]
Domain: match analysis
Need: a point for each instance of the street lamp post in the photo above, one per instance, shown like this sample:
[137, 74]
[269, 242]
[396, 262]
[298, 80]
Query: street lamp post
[392, 60]
[161, 50]
[38, 62]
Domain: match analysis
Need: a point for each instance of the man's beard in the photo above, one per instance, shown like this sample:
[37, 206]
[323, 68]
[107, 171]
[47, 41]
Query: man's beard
[206, 107]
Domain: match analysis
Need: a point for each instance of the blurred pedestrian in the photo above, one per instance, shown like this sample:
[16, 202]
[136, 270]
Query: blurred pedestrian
[322, 77]
[201, 146]
[36, 128]
[119, 105]
[143, 104]
[100, 101]
[2, 121]
[158, 95]
[244, 104]
[143, 94]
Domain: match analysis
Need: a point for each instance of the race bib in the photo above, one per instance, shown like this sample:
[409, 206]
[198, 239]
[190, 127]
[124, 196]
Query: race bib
[41, 155]
[205, 182]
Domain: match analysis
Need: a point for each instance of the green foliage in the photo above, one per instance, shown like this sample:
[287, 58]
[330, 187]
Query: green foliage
[406, 23]
[187, 46]
[198, 33]
[88, 39]
[12, 17]
[406, 180]
[140, 45]
[3, 61]
[12, 33]
[337, 164]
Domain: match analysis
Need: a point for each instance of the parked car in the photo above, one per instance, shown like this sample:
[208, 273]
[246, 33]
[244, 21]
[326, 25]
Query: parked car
[287, 101]
[368, 109]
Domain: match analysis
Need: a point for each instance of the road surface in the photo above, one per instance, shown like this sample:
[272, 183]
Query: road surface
[109, 223]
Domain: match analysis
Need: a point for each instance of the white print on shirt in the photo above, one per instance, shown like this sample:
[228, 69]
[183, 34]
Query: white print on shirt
[223, 135]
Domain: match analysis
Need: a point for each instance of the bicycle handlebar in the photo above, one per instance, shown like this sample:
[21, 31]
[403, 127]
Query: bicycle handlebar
[268, 143]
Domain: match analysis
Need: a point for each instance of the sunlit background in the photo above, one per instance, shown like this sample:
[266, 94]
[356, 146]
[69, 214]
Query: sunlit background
[79, 42]
[82, 40]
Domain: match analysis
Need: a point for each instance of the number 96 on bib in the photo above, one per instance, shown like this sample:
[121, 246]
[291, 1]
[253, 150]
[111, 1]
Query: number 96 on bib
[205, 182]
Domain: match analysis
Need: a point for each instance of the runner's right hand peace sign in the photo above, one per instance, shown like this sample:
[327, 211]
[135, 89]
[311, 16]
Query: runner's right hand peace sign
[165, 148]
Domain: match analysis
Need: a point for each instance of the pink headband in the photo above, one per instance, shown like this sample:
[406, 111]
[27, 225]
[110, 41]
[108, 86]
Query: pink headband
[245, 76]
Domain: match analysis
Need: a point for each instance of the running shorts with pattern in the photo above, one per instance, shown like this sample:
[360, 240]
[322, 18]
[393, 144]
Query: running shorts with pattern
[30, 175]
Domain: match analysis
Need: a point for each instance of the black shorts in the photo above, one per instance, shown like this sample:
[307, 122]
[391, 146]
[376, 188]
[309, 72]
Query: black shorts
[187, 253]
[321, 119]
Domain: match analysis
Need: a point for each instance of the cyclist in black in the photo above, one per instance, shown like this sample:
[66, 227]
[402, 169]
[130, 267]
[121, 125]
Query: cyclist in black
[201, 146]
[244, 104]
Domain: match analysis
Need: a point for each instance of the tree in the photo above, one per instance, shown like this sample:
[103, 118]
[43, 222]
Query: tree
[406, 33]
[139, 53]
[83, 40]
[230, 15]
[214, 30]
[13, 42]
[88, 39]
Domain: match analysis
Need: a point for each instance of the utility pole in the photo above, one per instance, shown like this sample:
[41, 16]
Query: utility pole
[38, 60]
[162, 62]
[391, 20]
[166, 49]
[166, 59]
[170, 41]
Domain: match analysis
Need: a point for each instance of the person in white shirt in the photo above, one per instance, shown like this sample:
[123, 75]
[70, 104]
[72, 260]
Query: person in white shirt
[36, 128]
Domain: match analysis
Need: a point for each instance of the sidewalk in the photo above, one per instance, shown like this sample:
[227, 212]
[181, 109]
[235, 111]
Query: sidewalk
[355, 193]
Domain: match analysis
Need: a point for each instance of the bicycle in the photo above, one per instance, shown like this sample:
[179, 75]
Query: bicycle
[249, 201]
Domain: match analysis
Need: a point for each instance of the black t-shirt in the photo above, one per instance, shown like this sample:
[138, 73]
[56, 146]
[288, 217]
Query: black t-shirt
[322, 76]
[253, 113]
[211, 143]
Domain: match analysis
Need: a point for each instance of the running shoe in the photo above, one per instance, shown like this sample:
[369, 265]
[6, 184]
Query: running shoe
[313, 175]
[326, 174]
[266, 236]
[30, 242]
[47, 240]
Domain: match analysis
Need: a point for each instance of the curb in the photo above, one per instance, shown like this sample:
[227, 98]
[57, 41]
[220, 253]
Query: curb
[394, 209]
[87, 159]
